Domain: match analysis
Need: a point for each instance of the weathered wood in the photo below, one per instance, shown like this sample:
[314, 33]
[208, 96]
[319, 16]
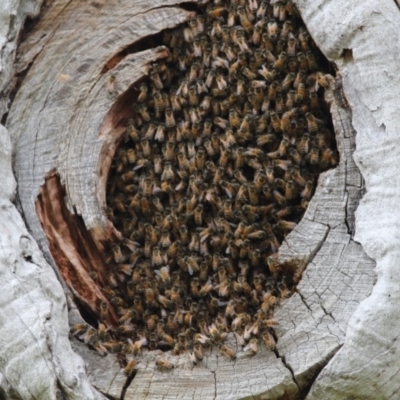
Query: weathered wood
[36, 360]
[364, 45]
[60, 121]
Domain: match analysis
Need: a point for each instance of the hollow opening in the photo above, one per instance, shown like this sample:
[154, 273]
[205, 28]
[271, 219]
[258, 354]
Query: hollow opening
[224, 144]
[204, 189]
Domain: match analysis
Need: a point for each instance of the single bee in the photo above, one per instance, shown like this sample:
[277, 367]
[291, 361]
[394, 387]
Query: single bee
[273, 30]
[164, 301]
[256, 235]
[303, 146]
[188, 35]
[228, 352]
[248, 74]
[194, 26]
[155, 77]
[279, 198]
[200, 24]
[117, 253]
[269, 341]
[312, 64]
[312, 124]
[130, 367]
[282, 12]
[137, 346]
[156, 257]
[304, 38]
[302, 60]
[169, 118]
[295, 155]
[287, 82]
[194, 115]
[252, 346]
[244, 20]
[300, 92]
[164, 364]
[245, 125]
[198, 215]
[276, 122]
[262, 9]
[193, 96]
[200, 158]
[79, 329]
[290, 99]
[286, 225]
[290, 190]
[286, 30]
[143, 92]
[272, 89]
[328, 158]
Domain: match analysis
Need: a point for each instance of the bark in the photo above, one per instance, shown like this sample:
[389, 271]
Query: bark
[64, 130]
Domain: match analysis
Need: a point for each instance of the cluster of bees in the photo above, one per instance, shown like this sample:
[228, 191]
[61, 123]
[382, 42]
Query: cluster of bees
[222, 153]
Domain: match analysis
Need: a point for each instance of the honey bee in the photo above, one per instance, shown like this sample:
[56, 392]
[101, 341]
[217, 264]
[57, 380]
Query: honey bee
[193, 26]
[156, 256]
[302, 60]
[300, 77]
[244, 20]
[303, 39]
[164, 301]
[245, 125]
[137, 346]
[312, 124]
[188, 35]
[155, 77]
[257, 235]
[221, 82]
[287, 82]
[252, 346]
[130, 367]
[169, 118]
[164, 364]
[198, 351]
[262, 9]
[300, 92]
[328, 158]
[200, 23]
[143, 92]
[198, 215]
[194, 115]
[281, 61]
[269, 341]
[248, 74]
[78, 329]
[290, 190]
[193, 96]
[240, 320]
[312, 64]
[195, 286]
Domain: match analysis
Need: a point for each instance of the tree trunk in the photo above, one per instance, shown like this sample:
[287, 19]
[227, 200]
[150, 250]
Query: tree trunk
[64, 131]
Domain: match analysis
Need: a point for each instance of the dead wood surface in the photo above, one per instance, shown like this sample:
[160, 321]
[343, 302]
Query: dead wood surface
[63, 121]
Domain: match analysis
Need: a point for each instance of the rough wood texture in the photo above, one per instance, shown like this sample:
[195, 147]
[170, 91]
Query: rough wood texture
[36, 359]
[362, 40]
[59, 121]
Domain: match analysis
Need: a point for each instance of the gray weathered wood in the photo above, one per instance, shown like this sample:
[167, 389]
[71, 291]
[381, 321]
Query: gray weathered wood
[36, 359]
[362, 39]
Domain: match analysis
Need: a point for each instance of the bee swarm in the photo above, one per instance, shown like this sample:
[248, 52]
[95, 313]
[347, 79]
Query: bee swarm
[223, 151]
